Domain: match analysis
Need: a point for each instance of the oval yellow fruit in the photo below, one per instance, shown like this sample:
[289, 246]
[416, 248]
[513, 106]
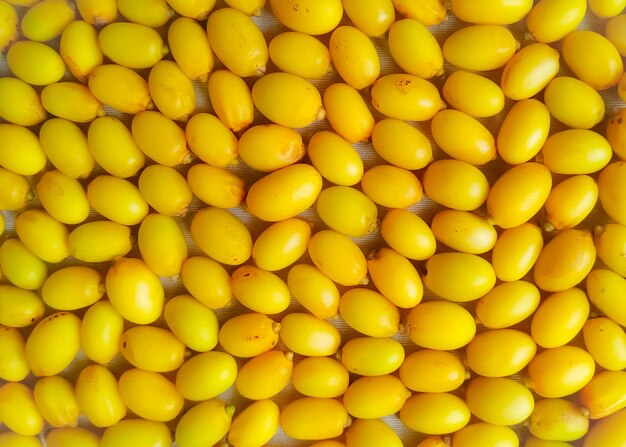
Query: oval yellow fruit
[218, 367]
[211, 140]
[99, 241]
[570, 202]
[80, 49]
[259, 290]
[354, 57]
[20, 266]
[216, 186]
[473, 94]
[516, 251]
[222, 236]
[415, 49]
[576, 151]
[428, 12]
[310, 16]
[152, 348]
[335, 159]
[152, 13]
[255, 425]
[369, 312]
[11, 439]
[395, 277]
[20, 307]
[480, 47]
[507, 304]
[559, 372]
[9, 29]
[207, 281]
[373, 18]
[499, 400]
[13, 363]
[19, 102]
[320, 377]
[432, 371]
[455, 184]
[18, 410]
[609, 240]
[127, 159]
[391, 186]
[28, 158]
[165, 190]
[97, 12]
[464, 231]
[162, 244]
[98, 396]
[605, 291]
[268, 147]
[459, 277]
[63, 197]
[315, 291]
[101, 331]
[190, 48]
[172, 91]
[45, 236]
[131, 45]
[401, 144]
[56, 400]
[500, 353]
[71, 101]
[429, 324]
[160, 138]
[35, 62]
[117, 199]
[72, 288]
[192, 429]
[300, 54]
[347, 210]
[248, 7]
[406, 97]
[276, 368]
[529, 71]
[614, 31]
[59, 437]
[150, 395]
[330, 422]
[604, 394]
[408, 234]
[136, 432]
[120, 88]
[435, 413]
[193, 323]
[347, 112]
[584, 113]
[387, 391]
[65, 145]
[558, 420]
[281, 244]
[610, 183]
[371, 356]
[249, 334]
[195, 9]
[607, 432]
[348, 269]
[231, 99]
[483, 434]
[567, 310]
[605, 340]
[490, 11]
[551, 20]
[307, 335]
[523, 131]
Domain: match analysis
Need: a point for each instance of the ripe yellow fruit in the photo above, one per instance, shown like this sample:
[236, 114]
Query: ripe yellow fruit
[500, 353]
[134, 290]
[315, 291]
[584, 113]
[533, 441]
[551, 20]
[400, 144]
[320, 377]
[259, 290]
[268, 147]
[162, 244]
[45, 236]
[20, 266]
[101, 331]
[172, 91]
[99, 241]
[274, 366]
[71, 101]
[456, 184]
[152, 13]
[207, 281]
[27, 156]
[11, 439]
[428, 12]
[195, 9]
[222, 236]
[473, 94]
[570, 202]
[395, 277]
[248, 7]
[35, 63]
[338, 257]
[375, 397]
[160, 138]
[190, 48]
[347, 210]
[516, 251]
[131, 45]
[408, 234]
[605, 290]
[605, 340]
[18, 410]
[529, 71]
[59, 437]
[56, 400]
[309, 16]
[523, 131]
[370, 433]
[347, 113]
[46, 20]
[121, 88]
[108, 131]
[507, 304]
[99, 397]
[477, 146]
[165, 190]
[610, 182]
[281, 244]
[606, 8]
[406, 97]
[565, 261]
[13, 364]
[216, 186]
[307, 335]
[206, 375]
[192, 429]
[499, 400]
[609, 240]
[415, 49]
[117, 199]
[330, 418]
[10, 24]
[65, 145]
[607, 432]
[482, 434]
[567, 310]
[150, 395]
[373, 18]
[72, 288]
[19, 102]
[601, 67]
[211, 140]
[136, 432]
[152, 348]
[464, 231]
[480, 47]
[614, 31]
[576, 151]
[53, 344]
[371, 356]
[231, 99]
[435, 413]
[558, 420]
[440, 324]
[63, 197]
[490, 11]
[97, 12]
[605, 394]
[559, 372]
[391, 186]
[248, 335]
[20, 307]
[255, 425]
[369, 312]
[80, 49]
[354, 57]
[432, 371]
[300, 54]
[459, 277]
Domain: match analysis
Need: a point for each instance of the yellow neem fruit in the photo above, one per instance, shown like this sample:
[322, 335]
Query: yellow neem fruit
[300, 54]
[231, 99]
[499, 400]
[464, 231]
[195, 9]
[46, 20]
[27, 156]
[15, 189]
[190, 48]
[10, 25]
[162, 244]
[20, 307]
[523, 131]
[160, 138]
[216, 186]
[20, 266]
[605, 289]
[65, 145]
[551, 20]
[99, 241]
[97, 12]
[18, 410]
[529, 71]
[192, 429]
[35, 63]
[507, 304]
[500, 353]
[19, 102]
[63, 197]
[415, 49]
[615, 32]
[558, 420]
[211, 140]
[71, 101]
[101, 331]
[401, 144]
[490, 11]
[171, 90]
[565, 261]
[70, 436]
[440, 325]
[268, 147]
[607, 8]
[459, 277]
[483, 434]
[601, 67]
[456, 184]
[370, 433]
[255, 425]
[207, 281]
[375, 397]
[132, 45]
[222, 236]
[206, 375]
[605, 340]
[117, 199]
[80, 49]
[395, 277]
[427, 12]
[354, 57]
[559, 372]
[570, 202]
[518, 194]
[610, 240]
[369, 312]
[391, 186]
[320, 377]
[45, 236]
[347, 113]
[373, 18]
[99, 397]
[13, 364]
[310, 16]
[347, 210]
[248, 7]
[56, 400]
[435, 413]
[605, 394]
[533, 441]
[134, 291]
[307, 335]
[259, 290]
[248, 335]
[370, 356]
[165, 190]
[610, 183]
[53, 344]
[473, 94]
[136, 432]
[152, 348]
[105, 132]
[237, 42]
[480, 47]
[274, 366]
[281, 244]
[516, 251]
[432, 371]
[330, 418]
[477, 146]
[576, 151]
[121, 88]
[72, 288]
[607, 432]
[406, 97]
[150, 395]
[408, 234]
[152, 13]
[11, 439]
[315, 291]
[338, 257]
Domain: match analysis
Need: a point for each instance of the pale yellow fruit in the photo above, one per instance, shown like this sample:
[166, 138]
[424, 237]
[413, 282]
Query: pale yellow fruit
[45, 236]
[63, 197]
[231, 100]
[455, 184]
[13, 364]
[71, 101]
[121, 88]
[97, 12]
[132, 45]
[480, 47]
[211, 140]
[99, 241]
[35, 63]
[15, 191]
[56, 400]
[309, 16]
[27, 156]
[401, 144]
[606, 8]
[300, 54]
[101, 331]
[165, 190]
[47, 20]
[106, 132]
[268, 147]
[160, 138]
[216, 186]
[491, 11]
[117, 199]
[529, 71]
[162, 244]
[152, 13]
[552, 20]
[99, 397]
[222, 236]
[66, 147]
[190, 48]
[19, 102]
[473, 94]
[172, 91]
[20, 266]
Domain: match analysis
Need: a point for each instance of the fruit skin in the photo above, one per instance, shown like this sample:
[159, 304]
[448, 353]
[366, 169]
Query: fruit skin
[391, 186]
[195, 9]
[131, 45]
[429, 325]
[191, 377]
[614, 31]
[136, 433]
[347, 112]
[190, 48]
[432, 371]
[281, 244]
[310, 16]
[73, 287]
[373, 18]
[150, 395]
[369, 312]
[19, 102]
[13, 364]
[455, 184]
[268, 147]
[605, 290]
[101, 331]
[56, 400]
[473, 94]
[11, 439]
[35, 63]
[490, 12]
[235, 109]
[500, 353]
[606, 8]
[31, 159]
[120, 88]
[482, 434]
[480, 47]
[165, 190]
[604, 394]
[255, 425]
[315, 291]
[559, 372]
[347, 210]
[582, 114]
[576, 151]
[10, 25]
[99, 241]
[160, 138]
[551, 20]
[516, 251]
[406, 97]
[152, 13]
[568, 310]
[216, 186]
[207, 281]
[570, 202]
[464, 231]
[20, 307]
[20, 266]
[499, 400]
[204, 424]
[307, 335]
[331, 418]
[107, 131]
[408, 234]
[370, 433]
[63, 197]
[192, 323]
[395, 277]
[166, 352]
[401, 144]
[248, 335]
[65, 145]
[211, 140]
[435, 413]
[248, 7]
[72, 101]
[18, 410]
[605, 340]
[558, 420]
[370, 356]
[275, 366]
[97, 12]
[45, 236]
[323, 248]
[607, 432]
[529, 71]
[172, 91]
[415, 49]
[354, 57]
[609, 240]
[320, 377]
[610, 185]
[162, 244]
[117, 199]
[259, 290]
[523, 131]
[429, 12]
[46, 20]
[71, 436]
